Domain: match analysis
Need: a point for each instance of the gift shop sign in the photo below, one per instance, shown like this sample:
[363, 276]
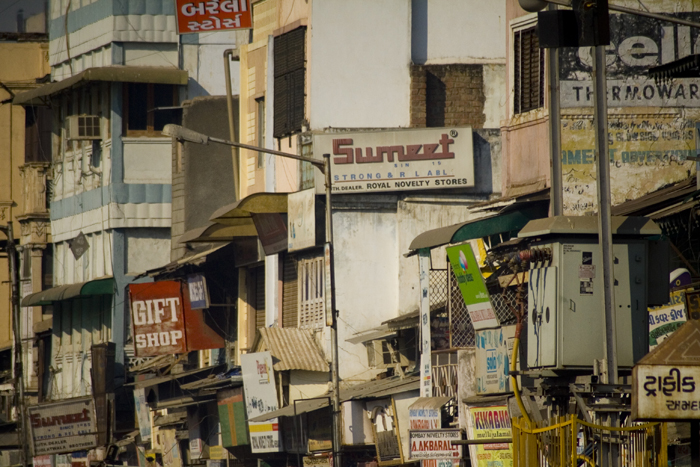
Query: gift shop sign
[195, 16]
[666, 392]
[157, 318]
[400, 160]
[435, 444]
[65, 426]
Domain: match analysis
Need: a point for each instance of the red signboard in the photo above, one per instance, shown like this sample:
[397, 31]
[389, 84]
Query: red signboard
[194, 16]
[157, 318]
[202, 332]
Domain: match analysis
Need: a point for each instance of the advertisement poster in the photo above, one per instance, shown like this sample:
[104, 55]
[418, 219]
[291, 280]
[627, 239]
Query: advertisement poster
[647, 152]
[417, 159]
[665, 319]
[434, 444]
[487, 423]
[471, 284]
[196, 16]
[65, 426]
[260, 398]
[494, 348]
[231, 405]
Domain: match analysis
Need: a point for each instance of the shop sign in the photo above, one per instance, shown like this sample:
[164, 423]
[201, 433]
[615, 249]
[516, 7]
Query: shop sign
[260, 398]
[65, 426]
[318, 461]
[157, 318]
[494, 348]
[666, 392]
[199, 294]
[426, 413]
[486, 423]
[218, 453]
[301, 220]
[439, 463]
[400, 160]
[665, 319]
[234, 431]
[43, 461]
[471, 284]
[197, 16]
[434, 444]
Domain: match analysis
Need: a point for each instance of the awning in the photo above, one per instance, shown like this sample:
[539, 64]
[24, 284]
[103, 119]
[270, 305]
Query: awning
[257, 203]
[194, 258]
[369, 390]
[200, 372]
[293, 349]
[126, 74]
[588, 225]
[510, 219]
[102, 286]
[213, 232]
[686, 67]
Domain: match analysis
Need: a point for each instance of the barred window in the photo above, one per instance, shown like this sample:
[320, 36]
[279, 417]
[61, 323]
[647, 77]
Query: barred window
[312, 303]
[528, 80]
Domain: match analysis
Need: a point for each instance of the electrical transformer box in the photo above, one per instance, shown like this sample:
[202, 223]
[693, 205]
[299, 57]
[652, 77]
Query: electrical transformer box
[566, 327]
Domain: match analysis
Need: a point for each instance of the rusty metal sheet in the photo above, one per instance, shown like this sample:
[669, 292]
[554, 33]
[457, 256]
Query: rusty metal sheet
[295, 349]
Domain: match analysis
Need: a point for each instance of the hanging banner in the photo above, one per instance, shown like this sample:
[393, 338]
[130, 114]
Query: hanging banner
[157, 318]
[196, 16]
[65, 426]
[232, 417]
[260, 398]
[487, 423]
[143, 413]
[471, 284]
[494, 348]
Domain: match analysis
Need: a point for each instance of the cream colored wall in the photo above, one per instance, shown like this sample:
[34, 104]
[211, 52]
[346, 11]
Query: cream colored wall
[22, 63]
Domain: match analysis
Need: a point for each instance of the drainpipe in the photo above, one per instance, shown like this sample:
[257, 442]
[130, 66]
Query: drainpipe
[228, 58]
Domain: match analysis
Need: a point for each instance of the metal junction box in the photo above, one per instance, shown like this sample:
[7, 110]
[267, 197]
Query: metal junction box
[565, 290]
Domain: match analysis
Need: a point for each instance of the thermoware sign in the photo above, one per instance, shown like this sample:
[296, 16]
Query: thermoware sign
[157, 318]
[194, 16]
[399, 160]
[65, 426]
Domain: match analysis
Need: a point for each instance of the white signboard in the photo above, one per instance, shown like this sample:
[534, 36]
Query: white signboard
[665, 319]
[439, 463]
[494, 348]
[666, 392]
[399, 160]
[434, 444]
[301, 220]
[260, 398]
[65, 426]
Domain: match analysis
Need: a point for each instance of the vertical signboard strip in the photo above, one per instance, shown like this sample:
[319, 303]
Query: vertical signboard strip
[260, 398]
[426, 387]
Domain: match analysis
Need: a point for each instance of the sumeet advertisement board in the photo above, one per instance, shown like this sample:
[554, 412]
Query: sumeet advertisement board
[397, 160]
[64, 426]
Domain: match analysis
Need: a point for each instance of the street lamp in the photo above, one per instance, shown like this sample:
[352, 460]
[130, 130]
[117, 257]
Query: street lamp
[184, 134]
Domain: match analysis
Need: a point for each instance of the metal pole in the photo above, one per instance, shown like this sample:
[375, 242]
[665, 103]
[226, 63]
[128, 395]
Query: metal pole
[337, 454]
[228, 57]
[19, 366]
[600, 120]
[556, 191]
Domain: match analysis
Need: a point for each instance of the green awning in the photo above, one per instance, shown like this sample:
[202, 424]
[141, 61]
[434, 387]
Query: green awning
[104, 286]
[510, 220]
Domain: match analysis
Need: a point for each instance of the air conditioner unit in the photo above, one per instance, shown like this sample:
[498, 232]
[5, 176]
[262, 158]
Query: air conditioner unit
[83, 127]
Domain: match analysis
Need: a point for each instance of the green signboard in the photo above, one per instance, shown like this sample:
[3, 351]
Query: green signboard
[471, 284]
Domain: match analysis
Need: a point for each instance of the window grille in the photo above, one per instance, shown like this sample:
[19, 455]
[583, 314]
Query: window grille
[312, 303]
[444, 373]
[528, 60]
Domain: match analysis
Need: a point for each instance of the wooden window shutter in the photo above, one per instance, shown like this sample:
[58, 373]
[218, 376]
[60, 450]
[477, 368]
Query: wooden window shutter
[290, 291]
[259, 283]
[528, 69]
[290, 72]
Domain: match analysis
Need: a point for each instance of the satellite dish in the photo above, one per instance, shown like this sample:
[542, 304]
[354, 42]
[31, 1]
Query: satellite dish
[532, 5]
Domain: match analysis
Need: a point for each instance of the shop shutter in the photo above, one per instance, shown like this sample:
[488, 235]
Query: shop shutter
[290, 290]
[290, 71]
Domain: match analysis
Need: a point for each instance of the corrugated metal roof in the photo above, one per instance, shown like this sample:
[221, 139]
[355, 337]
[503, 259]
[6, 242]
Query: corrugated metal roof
[430, 403]
[293, 349]
[370, 389]
[657, 200]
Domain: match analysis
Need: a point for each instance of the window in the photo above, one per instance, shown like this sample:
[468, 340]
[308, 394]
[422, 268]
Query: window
[290, 290]
[260, 114]
[37, 134]
[528, 80]
[312, 301]
[146, 109]
[289, 84]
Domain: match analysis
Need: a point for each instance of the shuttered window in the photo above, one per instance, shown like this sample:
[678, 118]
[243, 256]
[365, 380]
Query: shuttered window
[312, 303]
[290, 292]
[258, 283]
[290, 71]
[528, 61]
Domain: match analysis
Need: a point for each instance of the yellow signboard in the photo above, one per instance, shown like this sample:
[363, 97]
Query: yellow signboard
[646, 152]
[490, 423]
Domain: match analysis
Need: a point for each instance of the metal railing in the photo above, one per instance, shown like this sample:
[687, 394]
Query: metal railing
[569, 441]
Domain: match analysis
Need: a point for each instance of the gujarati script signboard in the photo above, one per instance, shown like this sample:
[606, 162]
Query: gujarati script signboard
[195, 16]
